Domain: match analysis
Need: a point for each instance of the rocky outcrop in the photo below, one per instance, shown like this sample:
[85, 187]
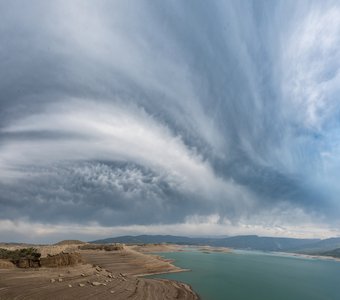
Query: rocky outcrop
[22, 258]
[6, 264]
[28, 263]
[61, 260]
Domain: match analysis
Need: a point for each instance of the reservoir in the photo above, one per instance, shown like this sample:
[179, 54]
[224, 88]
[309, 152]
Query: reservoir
[248, 275]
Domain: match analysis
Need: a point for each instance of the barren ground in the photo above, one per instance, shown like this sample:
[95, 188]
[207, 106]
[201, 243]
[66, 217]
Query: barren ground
[116, 278]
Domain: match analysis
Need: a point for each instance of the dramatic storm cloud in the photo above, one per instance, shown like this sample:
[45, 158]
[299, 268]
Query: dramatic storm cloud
[183, 117]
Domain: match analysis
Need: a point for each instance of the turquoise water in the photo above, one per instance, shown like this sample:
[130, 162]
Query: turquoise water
[247, 275]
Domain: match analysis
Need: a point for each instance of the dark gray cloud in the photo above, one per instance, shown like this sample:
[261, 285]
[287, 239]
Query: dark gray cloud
[115, 114]
[114, 193]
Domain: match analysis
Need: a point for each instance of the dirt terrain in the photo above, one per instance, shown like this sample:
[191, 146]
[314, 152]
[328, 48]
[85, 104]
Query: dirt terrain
[104, 275]
[149, 248]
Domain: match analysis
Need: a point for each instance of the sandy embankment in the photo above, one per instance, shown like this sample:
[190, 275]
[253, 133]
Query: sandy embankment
[116, 278]
[149, 248]
[211, 249]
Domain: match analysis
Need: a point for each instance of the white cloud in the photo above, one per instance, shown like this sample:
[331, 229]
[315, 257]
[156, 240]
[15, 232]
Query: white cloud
[126, 40]
[26, 231]
[310, 62]
[112, 133]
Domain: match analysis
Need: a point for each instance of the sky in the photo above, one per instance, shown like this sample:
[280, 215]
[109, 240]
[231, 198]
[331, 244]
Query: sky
[169, 117]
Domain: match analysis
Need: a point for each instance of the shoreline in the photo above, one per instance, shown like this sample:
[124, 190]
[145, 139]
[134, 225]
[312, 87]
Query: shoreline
[309, 256]
[118, 274]
[216, 249]
[103, 275]
[164, 272]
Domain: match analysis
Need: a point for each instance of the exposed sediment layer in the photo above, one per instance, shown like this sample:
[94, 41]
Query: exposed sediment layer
[106, 275]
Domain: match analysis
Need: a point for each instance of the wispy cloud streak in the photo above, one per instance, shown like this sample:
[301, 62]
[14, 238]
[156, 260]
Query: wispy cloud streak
[154, 114]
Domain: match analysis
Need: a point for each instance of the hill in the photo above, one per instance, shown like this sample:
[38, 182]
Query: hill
[332, 253]
[251, 242]
[319, 246]
[69, 242]
[154, 239]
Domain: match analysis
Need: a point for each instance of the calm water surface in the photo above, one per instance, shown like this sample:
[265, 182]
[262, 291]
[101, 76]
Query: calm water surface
[247, 275]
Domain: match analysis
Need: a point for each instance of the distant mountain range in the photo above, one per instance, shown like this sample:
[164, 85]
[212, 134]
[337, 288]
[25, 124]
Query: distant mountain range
[332, 253]
[250, 242]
